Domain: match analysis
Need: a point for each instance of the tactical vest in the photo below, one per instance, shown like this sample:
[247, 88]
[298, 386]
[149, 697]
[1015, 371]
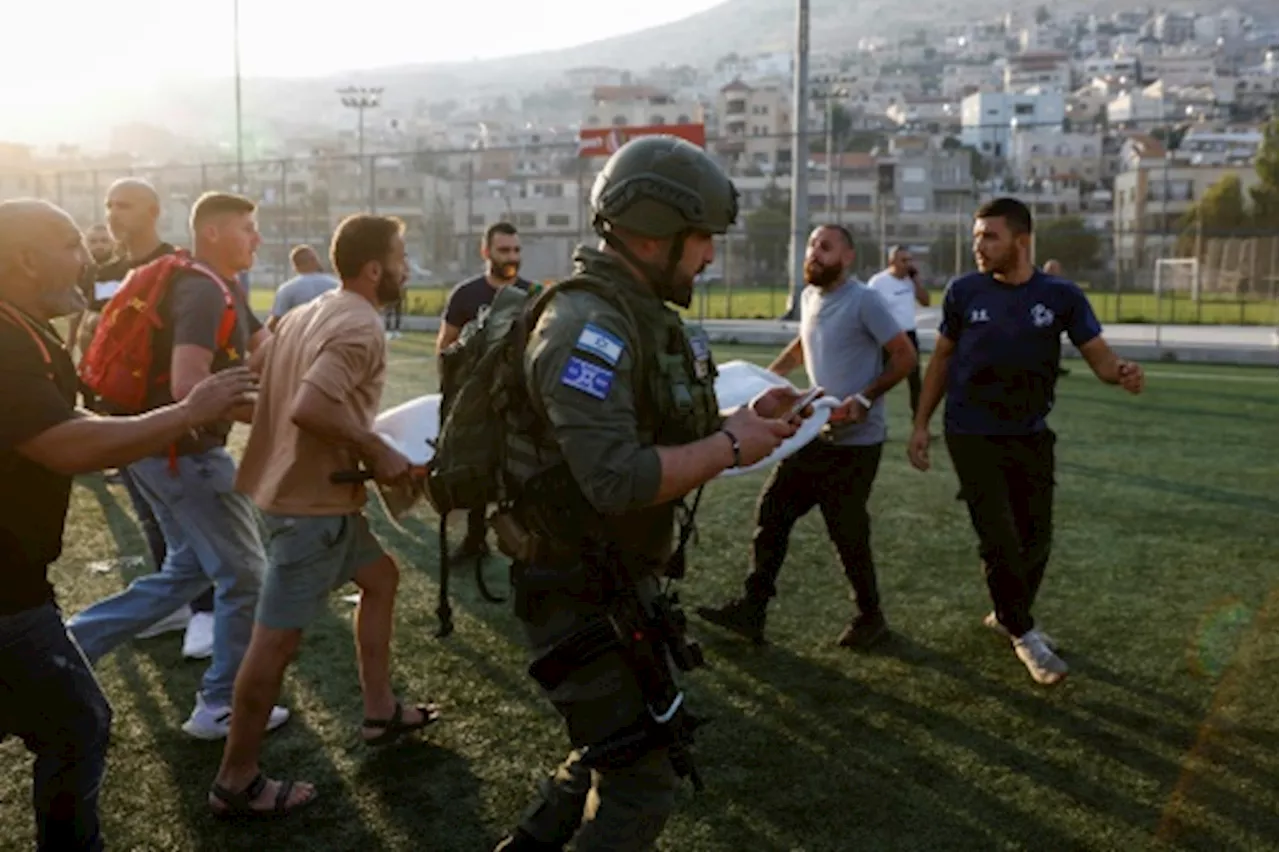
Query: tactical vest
[675, 395]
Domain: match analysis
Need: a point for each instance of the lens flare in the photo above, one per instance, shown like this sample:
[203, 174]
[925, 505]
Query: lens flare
[1217, 636]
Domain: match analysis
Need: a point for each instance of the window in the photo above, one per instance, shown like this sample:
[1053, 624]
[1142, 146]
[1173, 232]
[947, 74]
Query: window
[913, 174]
[476, 220]
[912, 204]
[526, 220]
[557, 220]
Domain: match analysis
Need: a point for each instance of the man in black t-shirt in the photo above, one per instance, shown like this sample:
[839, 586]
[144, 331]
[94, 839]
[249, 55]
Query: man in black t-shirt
[501, 253]
[48, 694]
[210, 529]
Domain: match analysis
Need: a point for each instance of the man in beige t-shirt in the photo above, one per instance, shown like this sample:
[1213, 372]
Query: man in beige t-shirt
[321, 385]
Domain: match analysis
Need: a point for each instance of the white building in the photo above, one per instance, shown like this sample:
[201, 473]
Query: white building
[987, 117]
[1045, 69]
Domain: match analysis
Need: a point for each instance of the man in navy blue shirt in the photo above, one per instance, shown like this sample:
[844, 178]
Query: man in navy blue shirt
[996, 359]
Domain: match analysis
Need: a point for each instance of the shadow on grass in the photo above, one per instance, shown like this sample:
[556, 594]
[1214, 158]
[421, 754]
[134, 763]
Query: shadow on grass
[416, 784]
[1201, 493]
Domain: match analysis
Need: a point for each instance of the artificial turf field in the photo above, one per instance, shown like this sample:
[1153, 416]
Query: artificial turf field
[1162, 592]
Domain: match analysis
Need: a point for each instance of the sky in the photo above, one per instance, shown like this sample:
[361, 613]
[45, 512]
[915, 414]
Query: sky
[56, 53]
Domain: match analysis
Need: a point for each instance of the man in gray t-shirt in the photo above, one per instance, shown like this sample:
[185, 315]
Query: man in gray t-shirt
[310, 282]
[845, 330]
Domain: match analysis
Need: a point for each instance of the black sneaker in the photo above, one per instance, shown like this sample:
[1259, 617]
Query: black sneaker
[866, 629]
[741, 615]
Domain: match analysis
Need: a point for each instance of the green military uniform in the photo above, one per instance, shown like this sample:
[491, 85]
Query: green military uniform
[608, 386]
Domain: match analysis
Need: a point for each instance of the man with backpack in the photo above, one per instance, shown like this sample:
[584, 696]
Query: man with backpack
[610, 419]
[501, 254]
[211, 532]
[322, 379]
[133, 217]
[48, 694]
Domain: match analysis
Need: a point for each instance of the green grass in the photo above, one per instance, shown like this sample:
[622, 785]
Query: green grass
[769, 303]
[1162, 590]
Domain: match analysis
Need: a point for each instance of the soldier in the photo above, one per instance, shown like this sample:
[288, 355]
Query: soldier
[624, 423]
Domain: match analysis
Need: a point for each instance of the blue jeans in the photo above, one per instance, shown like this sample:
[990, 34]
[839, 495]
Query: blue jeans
[155, 538]
[212, 536]
[49, 698]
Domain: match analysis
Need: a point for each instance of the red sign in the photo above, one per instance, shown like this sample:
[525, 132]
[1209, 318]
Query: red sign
[603, 141]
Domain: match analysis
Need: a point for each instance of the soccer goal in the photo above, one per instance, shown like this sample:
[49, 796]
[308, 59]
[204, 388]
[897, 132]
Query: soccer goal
[1177, 278]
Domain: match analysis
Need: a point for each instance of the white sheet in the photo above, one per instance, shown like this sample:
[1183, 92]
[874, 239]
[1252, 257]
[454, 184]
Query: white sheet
[410, 426]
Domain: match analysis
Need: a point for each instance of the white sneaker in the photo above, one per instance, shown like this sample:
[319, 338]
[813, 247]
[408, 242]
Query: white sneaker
[1045, 666]
[197, 644]
[994, 624]
[174, 621]
[214, 723]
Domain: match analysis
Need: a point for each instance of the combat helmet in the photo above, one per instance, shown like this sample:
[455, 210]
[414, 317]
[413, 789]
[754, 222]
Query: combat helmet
[662, 187]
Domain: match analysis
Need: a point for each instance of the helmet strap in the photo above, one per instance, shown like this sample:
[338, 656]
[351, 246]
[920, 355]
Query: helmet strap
[659, 278]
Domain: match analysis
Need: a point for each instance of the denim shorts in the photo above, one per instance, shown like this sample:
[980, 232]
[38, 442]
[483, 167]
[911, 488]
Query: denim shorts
[308, 558]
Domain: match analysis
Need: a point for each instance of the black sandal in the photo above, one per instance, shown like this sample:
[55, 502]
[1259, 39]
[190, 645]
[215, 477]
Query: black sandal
[240, 805]
[395, 727]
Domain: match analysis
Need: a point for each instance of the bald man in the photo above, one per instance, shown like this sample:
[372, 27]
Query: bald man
[48, 694]
[133, 218]
[309, 281]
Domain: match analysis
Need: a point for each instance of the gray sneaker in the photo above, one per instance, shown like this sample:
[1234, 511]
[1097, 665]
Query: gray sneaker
[1045, 666]
[991, 622]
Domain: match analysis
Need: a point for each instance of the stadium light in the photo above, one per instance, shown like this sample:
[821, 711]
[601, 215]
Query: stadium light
[361, 98]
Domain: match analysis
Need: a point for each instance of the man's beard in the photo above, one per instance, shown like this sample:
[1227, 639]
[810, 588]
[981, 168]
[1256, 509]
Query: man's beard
[821, 276]
[390, 288]
[504, 271]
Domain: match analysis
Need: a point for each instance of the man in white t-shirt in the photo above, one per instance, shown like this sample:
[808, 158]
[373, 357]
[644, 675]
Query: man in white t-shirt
[900, 285]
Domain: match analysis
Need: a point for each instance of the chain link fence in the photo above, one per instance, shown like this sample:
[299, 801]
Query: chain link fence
[919, 197]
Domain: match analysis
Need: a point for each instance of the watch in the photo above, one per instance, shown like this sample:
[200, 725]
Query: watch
[862, 400]
[737, 448]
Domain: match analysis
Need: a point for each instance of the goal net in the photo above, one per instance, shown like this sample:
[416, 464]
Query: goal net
[1178, 278]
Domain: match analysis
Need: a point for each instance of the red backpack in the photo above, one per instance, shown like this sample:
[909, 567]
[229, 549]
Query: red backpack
[118, 366]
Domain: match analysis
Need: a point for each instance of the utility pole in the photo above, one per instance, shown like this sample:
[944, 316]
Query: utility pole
[799, 161]
[361, 98]
[235, 29]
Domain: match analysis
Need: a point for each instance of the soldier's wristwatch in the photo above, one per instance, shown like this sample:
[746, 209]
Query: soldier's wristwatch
[737, 448]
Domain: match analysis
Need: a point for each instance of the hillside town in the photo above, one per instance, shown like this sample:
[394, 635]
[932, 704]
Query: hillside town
[1117, 126]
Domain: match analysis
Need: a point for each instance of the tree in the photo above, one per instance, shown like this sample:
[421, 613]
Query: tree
[1042, 14]
[1220, 210]
[1069, 240]
[769, 234]
[1266, 203]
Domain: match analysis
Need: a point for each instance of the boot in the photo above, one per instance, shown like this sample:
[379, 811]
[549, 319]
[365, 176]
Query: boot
[744, 616]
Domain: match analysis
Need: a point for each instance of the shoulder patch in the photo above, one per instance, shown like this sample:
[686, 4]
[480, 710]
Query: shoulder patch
[587, 377]
[598, 342]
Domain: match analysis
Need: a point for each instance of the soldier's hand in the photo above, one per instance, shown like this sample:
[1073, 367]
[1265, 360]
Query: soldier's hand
[216, 397]
[758, 436]
[778, 402]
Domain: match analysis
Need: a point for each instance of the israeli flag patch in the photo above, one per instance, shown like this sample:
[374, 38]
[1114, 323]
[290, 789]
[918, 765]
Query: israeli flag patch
[587, 377]
[601, 343]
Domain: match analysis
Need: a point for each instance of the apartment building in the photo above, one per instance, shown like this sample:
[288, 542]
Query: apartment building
[1192, 68]
[959, 80]
[988, 117]
[1072, 158]
[1152, 197]
[1048, 70]
[754, 125]
[551, 214]
[619, 106]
